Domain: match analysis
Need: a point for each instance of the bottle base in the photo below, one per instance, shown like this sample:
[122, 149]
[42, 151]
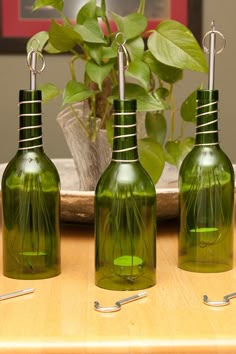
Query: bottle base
[32, 276]
[120, 284]
[204, 267]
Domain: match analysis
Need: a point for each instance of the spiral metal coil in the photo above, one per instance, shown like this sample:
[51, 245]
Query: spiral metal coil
[124, 135]
[39, 126]
[202, 114]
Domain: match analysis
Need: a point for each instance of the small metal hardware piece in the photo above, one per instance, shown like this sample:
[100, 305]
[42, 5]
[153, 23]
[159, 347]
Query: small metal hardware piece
[119, 303]
[16, 293]
[225, 301]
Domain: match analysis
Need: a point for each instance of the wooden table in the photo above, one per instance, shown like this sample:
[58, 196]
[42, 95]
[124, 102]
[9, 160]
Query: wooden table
[59, 317]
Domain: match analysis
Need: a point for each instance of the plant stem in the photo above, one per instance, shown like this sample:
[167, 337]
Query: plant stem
[141, 7]
[182, 129]
[72, 70]
[93, 120]
[173, 114]
[106, 115]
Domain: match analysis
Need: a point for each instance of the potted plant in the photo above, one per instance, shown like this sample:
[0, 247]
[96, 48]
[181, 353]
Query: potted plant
[157, 60]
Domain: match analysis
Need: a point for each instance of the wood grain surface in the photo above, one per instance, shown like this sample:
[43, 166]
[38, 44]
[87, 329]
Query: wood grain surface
[59, 317]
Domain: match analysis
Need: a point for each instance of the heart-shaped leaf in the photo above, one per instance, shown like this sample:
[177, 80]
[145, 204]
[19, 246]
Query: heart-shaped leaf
[98, 73]
[173, 44]
[135, 48]
[90, 31]
[49, 91]
[87, 11]
[63, 38]
[75, 92]
[177, 150]
[151, 157]
[156, 126]
[188, 108]
[139, 71]
[131, 25]
[165, 72]
[173, 152]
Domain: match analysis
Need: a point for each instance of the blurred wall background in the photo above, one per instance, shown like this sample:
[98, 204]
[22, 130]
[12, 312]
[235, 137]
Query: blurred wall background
[14, 75]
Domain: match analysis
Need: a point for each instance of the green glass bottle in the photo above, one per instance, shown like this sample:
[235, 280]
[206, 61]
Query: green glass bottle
[206, 196]
[31, 201]
[125, 212]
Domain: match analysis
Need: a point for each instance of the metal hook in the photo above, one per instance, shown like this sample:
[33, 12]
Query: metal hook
[223, 302]
[119, 303]
[121, 47]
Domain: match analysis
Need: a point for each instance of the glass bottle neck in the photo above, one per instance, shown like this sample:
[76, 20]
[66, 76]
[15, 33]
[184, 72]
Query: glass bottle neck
[30, 120]
[125, 132]
[207, 118]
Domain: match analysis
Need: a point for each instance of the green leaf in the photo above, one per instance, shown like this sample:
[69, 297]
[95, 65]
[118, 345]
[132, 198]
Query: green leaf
[164, 72]
[49, 91]
[75, 92]
[186, 146]
[174, 44]
[173, 152]
[177, 150]
[56, 4]
[88, 11]
[50, 49]
[98, 73]
[41, 38]
[108, 53]
[151, 157]
[139, 71]
[94, 51]
[131, 25]
[188, 108]
[99, 53]
[162, 93]
[135, 48]
[63, 38]
[156, 126]
[90, 31]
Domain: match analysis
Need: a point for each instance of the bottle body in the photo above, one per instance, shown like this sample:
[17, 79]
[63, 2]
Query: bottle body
[31, 203]
[125, 214]
[206, 198]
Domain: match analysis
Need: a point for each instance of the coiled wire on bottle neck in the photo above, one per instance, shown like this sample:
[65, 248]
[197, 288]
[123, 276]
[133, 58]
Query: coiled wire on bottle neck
[204, 110]
[125, 136]
[30, 112]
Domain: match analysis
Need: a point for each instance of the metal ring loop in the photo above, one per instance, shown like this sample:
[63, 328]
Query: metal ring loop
[123, 39]
[208, 34]
[122, 48]
[29, 57]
